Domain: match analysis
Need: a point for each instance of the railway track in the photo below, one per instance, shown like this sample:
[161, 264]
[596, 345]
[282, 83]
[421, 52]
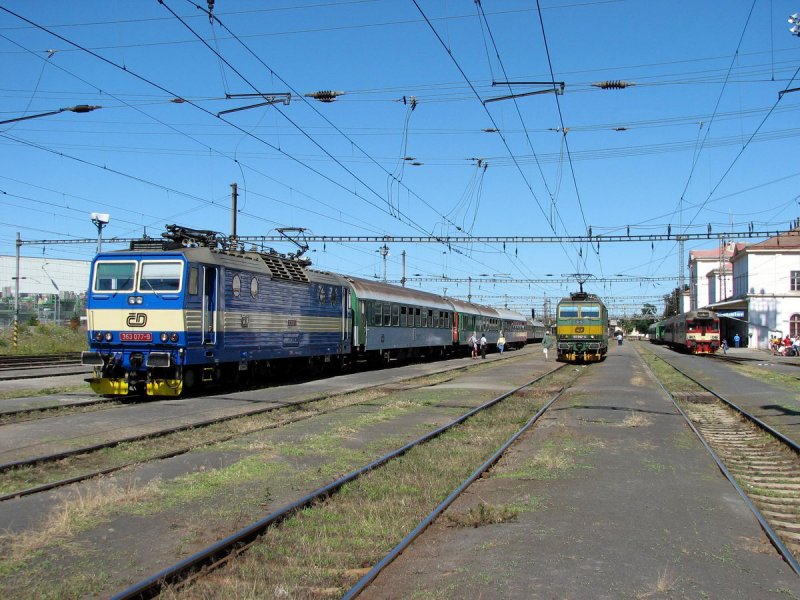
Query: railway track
[221, 552]
[761, 463]
[37, 361]
[46, 471]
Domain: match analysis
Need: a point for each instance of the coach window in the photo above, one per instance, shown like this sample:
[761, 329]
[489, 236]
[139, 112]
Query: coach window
[376, 313]
[114, 276]
[417, 318]
[193, 278]
[387, 315]
[403, 312]
[395, 315]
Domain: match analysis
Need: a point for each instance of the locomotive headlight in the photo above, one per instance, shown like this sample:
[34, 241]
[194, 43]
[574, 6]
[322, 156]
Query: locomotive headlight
[173, 337]
[98, 336]
[163, 337]
[139, 299]
[109, 336]
[131, 299]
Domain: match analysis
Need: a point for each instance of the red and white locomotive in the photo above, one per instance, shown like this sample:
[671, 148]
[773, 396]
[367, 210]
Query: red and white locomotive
[696, 332]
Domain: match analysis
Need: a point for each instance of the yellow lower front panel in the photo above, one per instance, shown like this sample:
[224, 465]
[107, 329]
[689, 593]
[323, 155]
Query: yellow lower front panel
[164, 387]
[109, 387]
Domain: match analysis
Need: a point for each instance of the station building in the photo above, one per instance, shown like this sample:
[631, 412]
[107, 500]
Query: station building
[754, 288]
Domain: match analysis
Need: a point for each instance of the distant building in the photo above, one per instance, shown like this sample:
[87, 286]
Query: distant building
[765, 300]
[50, 289]
[710, 275]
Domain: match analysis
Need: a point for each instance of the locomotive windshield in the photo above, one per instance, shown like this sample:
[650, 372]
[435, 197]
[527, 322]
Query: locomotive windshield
[568, 312]
[160, 276]
[590, 312]
[154, 276]
[114, 276]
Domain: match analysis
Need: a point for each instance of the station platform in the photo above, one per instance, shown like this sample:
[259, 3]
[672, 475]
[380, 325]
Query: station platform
[614, 496]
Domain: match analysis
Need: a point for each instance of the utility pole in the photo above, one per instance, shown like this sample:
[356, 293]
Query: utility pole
[234, 200]
[469, 289]
[15, 335]
[681, 271]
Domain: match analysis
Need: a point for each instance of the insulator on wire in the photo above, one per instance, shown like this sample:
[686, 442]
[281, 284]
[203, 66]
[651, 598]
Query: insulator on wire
[613, 84]
[325, 95]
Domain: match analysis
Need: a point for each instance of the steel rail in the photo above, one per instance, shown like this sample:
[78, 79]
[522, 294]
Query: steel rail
[153, 434]
[773, 537]
[172, 453]
[221, 551]
[163, 432]
[788, 441]
[362, 583]
[53, 407]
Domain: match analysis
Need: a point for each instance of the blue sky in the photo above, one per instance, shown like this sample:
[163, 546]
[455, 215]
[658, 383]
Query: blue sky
[700, 140]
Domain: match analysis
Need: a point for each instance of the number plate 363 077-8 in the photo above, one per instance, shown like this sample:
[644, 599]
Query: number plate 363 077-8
[136, 337]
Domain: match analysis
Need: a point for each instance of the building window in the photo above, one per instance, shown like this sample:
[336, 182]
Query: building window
[794, 278]
[794, 325]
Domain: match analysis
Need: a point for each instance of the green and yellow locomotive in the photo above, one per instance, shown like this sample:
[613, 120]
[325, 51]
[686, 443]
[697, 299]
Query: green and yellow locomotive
[581, 328]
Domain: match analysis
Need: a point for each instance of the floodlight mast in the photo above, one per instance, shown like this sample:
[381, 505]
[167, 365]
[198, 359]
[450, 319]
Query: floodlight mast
[100, 220]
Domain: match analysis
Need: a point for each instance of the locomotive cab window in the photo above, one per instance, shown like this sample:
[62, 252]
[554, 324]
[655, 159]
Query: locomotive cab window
[114, 276]
[590, 312]
[568, 312]
[160, 276]
[193, 281]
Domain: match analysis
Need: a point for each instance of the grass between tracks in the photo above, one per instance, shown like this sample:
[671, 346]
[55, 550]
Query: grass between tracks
[213, 496]
[148, 449]
[324, 549]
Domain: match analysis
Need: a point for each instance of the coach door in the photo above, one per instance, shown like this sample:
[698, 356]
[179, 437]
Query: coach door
[209, 305]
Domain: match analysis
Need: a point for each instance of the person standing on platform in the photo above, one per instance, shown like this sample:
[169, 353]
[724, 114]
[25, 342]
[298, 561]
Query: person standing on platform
[473, 344]
[736, 340]
[484, 344]
[547, 343]
[501, 342]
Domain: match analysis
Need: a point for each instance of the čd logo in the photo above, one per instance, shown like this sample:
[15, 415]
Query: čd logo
[136, 320]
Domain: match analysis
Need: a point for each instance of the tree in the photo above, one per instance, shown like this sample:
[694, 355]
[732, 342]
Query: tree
[646, 316]
[672, 301]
